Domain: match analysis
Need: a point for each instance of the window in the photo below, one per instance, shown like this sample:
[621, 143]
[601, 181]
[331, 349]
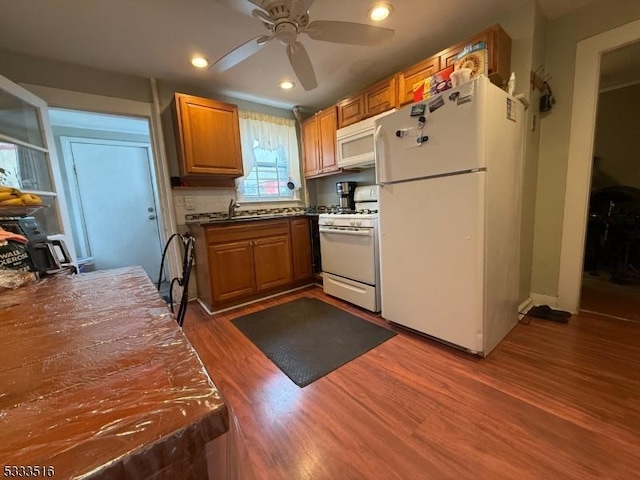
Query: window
[270, 158]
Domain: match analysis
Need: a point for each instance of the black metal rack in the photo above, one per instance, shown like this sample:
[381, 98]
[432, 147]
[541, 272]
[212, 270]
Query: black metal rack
[187, 243]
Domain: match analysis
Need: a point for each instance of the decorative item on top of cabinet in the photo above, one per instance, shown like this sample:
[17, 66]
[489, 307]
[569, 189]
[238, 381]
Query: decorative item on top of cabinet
[207, 138]
[414, 74]
[319, 143]
[498, 53]
[377, 98]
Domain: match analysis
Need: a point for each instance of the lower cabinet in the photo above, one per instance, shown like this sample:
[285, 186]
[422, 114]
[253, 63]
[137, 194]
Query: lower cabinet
[272, 262]
[236, 262]
[301, 249]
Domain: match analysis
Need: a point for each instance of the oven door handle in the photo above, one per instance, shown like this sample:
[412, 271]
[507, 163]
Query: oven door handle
[339, 231]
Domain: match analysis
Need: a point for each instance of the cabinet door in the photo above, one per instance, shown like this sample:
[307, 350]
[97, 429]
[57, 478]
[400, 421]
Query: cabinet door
[498, 53]
[272, 262]
[301, 249]
[231, 269]
[409, 76]
[310, 146]
[327, 127]
[350, 110]
[208, 137]
[380, 97]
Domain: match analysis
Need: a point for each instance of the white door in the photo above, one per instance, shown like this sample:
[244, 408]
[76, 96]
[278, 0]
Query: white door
[117, 203]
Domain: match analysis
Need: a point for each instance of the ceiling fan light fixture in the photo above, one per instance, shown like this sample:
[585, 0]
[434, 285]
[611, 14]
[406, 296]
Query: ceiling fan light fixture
[380, 12]
[287, 85]
[199, 62]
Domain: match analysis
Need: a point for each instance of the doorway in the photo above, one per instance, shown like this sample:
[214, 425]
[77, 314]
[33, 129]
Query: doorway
[581, 151]
[611, 277]
[109, 183]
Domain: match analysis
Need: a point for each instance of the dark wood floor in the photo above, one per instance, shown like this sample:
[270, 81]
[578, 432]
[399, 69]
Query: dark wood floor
[602, 296]
[552, 401]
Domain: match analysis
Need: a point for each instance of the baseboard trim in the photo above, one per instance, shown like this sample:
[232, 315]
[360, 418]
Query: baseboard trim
[209, 312]
[539, 299]
[524, 307]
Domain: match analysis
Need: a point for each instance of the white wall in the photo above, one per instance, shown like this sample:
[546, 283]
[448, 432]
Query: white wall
[526, 25]
[563, 35]
[615, 146]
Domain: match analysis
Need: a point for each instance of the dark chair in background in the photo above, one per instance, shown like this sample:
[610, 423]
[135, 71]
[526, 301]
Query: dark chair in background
[187, 244]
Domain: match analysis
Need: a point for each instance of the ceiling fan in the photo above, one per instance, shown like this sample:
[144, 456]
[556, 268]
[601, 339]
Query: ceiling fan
[285, 19]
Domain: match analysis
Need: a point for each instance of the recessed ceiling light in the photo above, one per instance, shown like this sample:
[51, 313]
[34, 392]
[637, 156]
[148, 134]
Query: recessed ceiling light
[380, 11]
[199, 62]
[286, 85]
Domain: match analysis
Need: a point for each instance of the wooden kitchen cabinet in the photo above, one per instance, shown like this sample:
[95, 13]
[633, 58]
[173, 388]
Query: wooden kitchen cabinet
[414, 74]
[272, 261]
[301, 248]
[498, 53]
[350, 110]
[207, 137]
[236, 260]
[380, 97]
[376, 99]
[241, 261]
[319, 143]
[310, 147]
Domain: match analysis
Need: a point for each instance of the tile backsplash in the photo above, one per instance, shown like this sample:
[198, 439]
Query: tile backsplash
[212, 201]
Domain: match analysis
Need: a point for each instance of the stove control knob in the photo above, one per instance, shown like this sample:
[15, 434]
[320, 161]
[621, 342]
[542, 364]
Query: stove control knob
[358, 223]
[352, 222]
[328, 222]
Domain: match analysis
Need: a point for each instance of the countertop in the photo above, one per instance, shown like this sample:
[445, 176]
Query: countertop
[222, 218]
[99, 381]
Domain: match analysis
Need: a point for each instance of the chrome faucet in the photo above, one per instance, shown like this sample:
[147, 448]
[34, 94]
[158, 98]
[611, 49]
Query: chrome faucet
[232, 207]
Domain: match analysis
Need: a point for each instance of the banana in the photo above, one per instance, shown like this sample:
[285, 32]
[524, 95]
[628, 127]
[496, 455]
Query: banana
[7, 196]
[31, 199]
[13, 201]
[6, 189]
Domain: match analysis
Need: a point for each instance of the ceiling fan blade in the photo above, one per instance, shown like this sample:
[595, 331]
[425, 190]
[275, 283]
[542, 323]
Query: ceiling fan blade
[240, 53]
[299, 7]
[301, 64]
[242, 6]
[348, 32]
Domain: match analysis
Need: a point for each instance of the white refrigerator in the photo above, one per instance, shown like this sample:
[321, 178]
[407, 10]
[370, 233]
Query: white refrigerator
[450, 171]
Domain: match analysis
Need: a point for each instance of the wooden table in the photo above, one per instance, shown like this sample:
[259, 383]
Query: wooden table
[98, 381]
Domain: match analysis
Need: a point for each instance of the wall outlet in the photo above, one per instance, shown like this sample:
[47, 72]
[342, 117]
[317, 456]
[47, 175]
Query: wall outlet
[189, 203]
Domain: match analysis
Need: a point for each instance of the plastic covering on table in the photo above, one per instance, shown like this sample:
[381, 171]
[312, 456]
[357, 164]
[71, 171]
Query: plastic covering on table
[98, 381]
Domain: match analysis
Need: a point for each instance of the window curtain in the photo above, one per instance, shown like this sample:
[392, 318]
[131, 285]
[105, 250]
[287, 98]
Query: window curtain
[32, 170]
[271, 133]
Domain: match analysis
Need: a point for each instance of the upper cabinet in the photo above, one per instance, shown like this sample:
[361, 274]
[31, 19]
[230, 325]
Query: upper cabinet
[207, 137]
[350, 110]
[378, 98]
[409, 76]
[319, 143]
[498, 53]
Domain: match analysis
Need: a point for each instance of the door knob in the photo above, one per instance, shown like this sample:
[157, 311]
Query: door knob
[152, 217]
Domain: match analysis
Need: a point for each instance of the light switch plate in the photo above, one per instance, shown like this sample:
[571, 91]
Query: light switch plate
[189, 203]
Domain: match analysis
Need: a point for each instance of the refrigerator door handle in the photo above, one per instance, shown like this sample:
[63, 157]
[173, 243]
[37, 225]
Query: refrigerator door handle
[378, 150]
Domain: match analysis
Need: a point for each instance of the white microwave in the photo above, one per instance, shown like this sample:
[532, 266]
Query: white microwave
[356, 143]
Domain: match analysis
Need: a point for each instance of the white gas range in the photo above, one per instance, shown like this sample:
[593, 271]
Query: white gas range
[349, 248]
